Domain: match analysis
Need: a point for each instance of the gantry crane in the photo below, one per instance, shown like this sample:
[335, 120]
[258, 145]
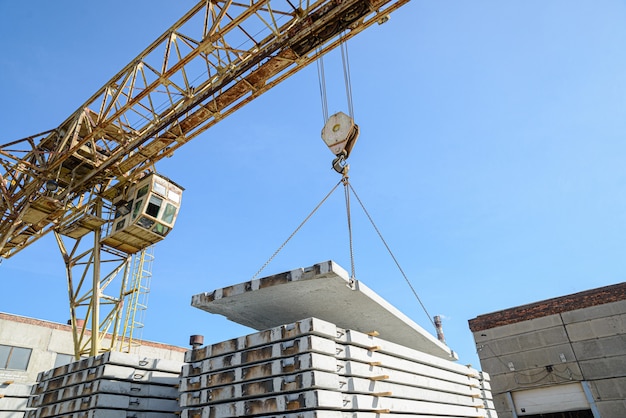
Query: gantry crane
[92, 179]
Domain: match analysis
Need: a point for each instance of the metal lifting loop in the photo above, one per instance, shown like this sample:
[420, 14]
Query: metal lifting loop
[340, 165]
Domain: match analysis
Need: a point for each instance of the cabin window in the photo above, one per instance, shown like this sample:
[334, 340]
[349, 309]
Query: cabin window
[168, 213]
[161, 229]
[145, 222]
[120, 224]
[123, 210]
[14, 358]
[143, 191]
[160, 188]
[137, 208]
[173, 195]
[154, 204]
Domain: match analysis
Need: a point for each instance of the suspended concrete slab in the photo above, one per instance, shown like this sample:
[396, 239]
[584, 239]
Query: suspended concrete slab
[323, 291]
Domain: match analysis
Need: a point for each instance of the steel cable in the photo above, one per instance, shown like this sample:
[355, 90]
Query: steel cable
[296, 231]
[393, 256]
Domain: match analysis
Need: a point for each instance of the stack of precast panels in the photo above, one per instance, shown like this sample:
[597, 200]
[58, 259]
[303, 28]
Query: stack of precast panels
[312, 368]
[110, 385]
[13, 398]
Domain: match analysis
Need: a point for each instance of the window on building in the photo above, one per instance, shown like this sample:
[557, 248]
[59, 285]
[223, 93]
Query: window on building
[14, 358]
[63, 359]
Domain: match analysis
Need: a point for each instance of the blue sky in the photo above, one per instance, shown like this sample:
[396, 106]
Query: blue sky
[490, 157]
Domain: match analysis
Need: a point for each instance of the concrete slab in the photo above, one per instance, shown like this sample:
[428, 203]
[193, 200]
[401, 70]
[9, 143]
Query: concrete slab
[374, 343]
[113, 357]
[109, 401]
[307, 380]
[101, 386]
[307, 326]
[301, 345]
[15, 389]
[100, 413]
[13, 404]
[323, 291]
[367, 403]
[283, 366]
[106, 371]
[340, 414]
[273, 386]
[271, 405]
[406, 377]
[329, 400]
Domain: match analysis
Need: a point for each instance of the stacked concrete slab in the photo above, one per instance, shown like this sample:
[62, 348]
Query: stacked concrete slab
[314, 368]
[110, 385]
[13, 398]
[328, 347]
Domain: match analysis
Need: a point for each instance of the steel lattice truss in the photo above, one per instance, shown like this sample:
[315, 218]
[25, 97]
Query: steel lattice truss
[215, 59]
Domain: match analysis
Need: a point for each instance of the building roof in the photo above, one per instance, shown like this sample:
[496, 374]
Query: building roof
[580, 300]
[68, 328]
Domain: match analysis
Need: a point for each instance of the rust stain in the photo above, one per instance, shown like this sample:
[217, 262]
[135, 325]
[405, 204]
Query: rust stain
[290, 384]
[228, 360]
[228, 291]
[194, 413]
[49, 397]
[274, 280]
[261, 387]
[263, 353]
[253, 372]
[194, 385]
[255, 407]
[292, 348]
[290, 332]
[224, 347]
[221, 378]
[264, 336]
[225, 392]
[192, 399]
[298, 403]
[55, 383]
[195, 370]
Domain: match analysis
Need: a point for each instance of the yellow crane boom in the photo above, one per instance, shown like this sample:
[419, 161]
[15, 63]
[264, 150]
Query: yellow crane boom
[219, 56]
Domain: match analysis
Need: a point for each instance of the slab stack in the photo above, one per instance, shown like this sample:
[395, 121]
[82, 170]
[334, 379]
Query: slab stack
[110, 385]
[313, 368]
[344, 353]
[13, 398]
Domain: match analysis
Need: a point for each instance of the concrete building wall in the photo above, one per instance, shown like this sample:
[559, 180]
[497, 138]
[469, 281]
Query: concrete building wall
[47, 340]
[575, 338]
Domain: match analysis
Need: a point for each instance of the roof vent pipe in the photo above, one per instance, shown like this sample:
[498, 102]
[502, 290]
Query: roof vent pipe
[196, 341]
[439, 329]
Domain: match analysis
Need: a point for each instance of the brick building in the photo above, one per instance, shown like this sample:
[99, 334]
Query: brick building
[559, 358]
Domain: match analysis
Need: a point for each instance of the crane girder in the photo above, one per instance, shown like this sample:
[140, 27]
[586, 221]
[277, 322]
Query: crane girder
[219, 56]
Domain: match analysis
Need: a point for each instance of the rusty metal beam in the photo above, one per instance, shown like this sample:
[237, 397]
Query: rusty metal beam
[150, 108]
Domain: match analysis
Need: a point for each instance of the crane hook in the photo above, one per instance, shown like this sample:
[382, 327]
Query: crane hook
[340, 133]
[340, 165]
